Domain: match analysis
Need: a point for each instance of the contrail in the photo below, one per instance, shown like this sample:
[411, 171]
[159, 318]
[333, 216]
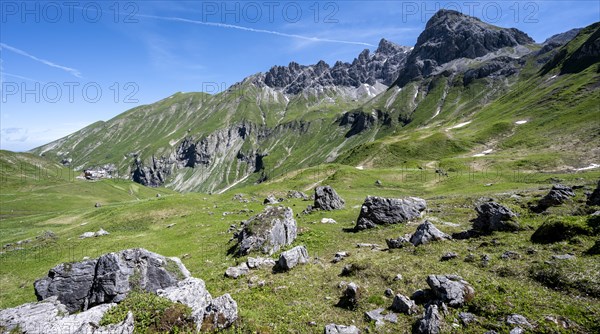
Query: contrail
[232, 26]
[72, 71]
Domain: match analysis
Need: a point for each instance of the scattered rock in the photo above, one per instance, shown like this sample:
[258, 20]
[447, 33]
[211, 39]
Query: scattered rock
[426, 233]
[557, 196]
[158, 195]
[398, 277]
[485, 260]
[378, 183]
[100, 233]
[339, 256]
[449, 256]
[400, 242]
[289, 259]
[491, 217]
[517, 330]
[350, 297]
[510, 255]
[326, 198]
[235, 272]
[270, 200]
[403, 304]
[298, 194]
[308, 210]
[557, 229]
[267, 232]
[594, 198]
[563, 257]
[341, 329]
[260, 262]
[365, 245]
[388, 292]
[430, 323]
[220, 314]
[451, 289]
[171, 225]
[379, 211]
[328, 221]
[518, 320]
[109, 278]
[97, 205]
[379, 318]
[208, 313]
[467, 318]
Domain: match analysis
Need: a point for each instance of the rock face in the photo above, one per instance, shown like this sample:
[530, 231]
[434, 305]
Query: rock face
[379, 211]
[451, 289]
[492, 216]
[450, 35]
[426, 233]
[430, 323]
[208, 313]
[557, 196]
[594, 198]
[327, 199]
[50, 316]
[381, 67]
[109, 278]
[267, 232]
[291, 258]
[341, 329]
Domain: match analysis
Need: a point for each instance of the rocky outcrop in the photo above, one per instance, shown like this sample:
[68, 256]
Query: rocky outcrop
[380, 211]
[380, 67]
[450, 35]
[209, 314]
[326, 198]
[451, 289]
[50, 316]
[153, 175]
[426, 233]
[109, 278]
[297, 194]
[499, 66]
[557, 196]
[267, 232]
[291, 258]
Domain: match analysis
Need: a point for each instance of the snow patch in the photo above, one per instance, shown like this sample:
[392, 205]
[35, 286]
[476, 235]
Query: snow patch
[460, 125]
[484, 153]
[592, 166]
[521, 122]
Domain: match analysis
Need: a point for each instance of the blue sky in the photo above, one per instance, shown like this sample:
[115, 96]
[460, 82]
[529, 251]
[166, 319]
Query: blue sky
[67, 65]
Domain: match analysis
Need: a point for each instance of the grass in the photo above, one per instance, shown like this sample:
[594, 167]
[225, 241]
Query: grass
[290, 301]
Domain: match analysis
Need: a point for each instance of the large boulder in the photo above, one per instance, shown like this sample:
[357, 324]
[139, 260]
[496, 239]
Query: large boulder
[557, 196]
[403, 304]
[51, 316]
[267, 232]
[380, 211]
[109, 278]
[426, 233]
[594, 198]
[291, 258]
[327, 199]
[492, 216]
[451, 289]
[209, 314]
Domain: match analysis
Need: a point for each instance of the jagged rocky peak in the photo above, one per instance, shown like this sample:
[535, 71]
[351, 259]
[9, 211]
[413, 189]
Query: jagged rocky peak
[369, 68]
[451, 35]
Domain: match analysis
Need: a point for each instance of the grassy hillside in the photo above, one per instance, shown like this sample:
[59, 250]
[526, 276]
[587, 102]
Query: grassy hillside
[289, 301]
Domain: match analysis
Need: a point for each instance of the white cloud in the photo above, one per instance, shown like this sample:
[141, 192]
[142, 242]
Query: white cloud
[70, 70]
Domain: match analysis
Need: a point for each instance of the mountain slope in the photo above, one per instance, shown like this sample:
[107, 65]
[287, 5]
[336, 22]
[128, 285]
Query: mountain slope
[462, 73]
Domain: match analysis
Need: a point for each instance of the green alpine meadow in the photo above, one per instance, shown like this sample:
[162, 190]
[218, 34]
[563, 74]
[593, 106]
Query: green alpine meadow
[450, 186]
